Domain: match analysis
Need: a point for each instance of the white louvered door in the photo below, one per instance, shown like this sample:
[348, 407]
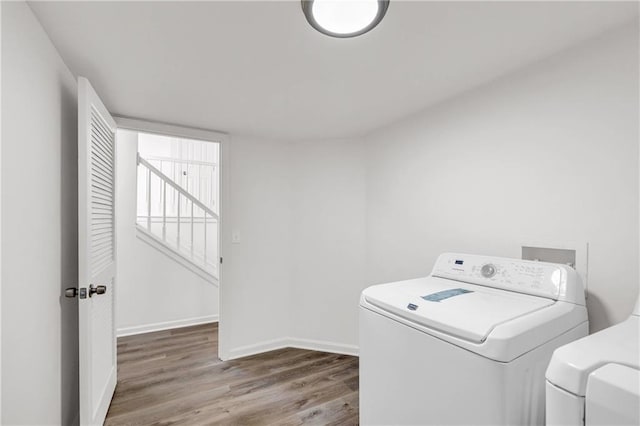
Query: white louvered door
[96, 246]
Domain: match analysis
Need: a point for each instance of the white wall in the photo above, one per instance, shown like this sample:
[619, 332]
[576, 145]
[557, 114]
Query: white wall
[546, 154]
[328, 262]
[296, 275]
[256, 273]
[153, 291]
[39, 226]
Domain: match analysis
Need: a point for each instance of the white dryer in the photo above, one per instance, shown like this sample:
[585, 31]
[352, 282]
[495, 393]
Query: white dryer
[468, 344]
[596, 380]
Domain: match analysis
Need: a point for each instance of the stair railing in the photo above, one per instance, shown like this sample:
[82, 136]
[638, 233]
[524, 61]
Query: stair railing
[172, 218]
[199, 178]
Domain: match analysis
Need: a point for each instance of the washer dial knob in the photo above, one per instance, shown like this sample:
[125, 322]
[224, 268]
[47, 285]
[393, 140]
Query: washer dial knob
[488, 270]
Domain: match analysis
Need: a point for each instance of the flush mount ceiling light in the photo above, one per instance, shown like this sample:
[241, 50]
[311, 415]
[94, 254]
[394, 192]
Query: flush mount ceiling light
[344, 18]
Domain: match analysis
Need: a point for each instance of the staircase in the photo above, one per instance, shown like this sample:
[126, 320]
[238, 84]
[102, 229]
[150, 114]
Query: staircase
[177, 211]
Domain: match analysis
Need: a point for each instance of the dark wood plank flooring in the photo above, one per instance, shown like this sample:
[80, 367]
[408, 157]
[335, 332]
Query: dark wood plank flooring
[175, 377]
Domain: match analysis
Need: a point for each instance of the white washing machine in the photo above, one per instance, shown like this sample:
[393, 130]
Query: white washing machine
[596, 380]
[467, 345]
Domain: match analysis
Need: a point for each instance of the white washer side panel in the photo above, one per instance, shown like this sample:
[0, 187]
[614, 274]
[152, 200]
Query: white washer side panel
[563, 408]
[526, 381]
[408, 378]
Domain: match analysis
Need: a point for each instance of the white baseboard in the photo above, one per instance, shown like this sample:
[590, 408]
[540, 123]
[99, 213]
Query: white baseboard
[322, 346]
[289, 342]
[166, 325]
[257, 348]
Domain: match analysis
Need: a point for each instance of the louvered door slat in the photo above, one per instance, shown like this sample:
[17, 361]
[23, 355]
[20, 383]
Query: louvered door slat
[102, 150]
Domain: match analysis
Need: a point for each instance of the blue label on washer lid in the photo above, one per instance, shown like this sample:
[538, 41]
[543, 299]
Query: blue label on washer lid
[445, 294]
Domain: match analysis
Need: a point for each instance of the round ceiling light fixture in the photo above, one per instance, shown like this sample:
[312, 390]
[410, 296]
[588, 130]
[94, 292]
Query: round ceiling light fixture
[344, 18]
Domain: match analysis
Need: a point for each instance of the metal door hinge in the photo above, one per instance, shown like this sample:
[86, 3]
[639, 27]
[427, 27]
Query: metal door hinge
[220, 260]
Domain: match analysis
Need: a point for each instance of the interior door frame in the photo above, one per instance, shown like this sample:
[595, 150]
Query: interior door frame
[224, 232]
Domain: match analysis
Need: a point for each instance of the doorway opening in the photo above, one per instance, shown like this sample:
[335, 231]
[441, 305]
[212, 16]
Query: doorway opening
[167, 227]
[178, 197]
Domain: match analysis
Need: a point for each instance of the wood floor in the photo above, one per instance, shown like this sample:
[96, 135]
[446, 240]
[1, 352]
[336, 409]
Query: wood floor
[175, 377]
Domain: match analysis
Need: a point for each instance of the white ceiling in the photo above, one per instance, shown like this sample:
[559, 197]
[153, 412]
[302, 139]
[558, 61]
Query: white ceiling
[258, 68]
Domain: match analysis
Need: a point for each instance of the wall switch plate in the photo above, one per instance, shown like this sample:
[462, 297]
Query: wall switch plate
[235, 237]
[573, 255]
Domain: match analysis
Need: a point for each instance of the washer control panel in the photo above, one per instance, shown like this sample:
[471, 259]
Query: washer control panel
[522, 276]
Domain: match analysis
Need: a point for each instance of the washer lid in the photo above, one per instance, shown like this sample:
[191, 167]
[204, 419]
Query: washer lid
[571, 364]
[463, 310]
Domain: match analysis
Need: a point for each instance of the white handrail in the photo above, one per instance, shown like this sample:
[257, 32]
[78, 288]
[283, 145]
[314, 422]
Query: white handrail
[193, 185]
[166, 179]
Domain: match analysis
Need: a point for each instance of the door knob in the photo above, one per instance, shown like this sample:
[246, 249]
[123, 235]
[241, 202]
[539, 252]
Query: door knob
[101, 289]
[70, 292]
